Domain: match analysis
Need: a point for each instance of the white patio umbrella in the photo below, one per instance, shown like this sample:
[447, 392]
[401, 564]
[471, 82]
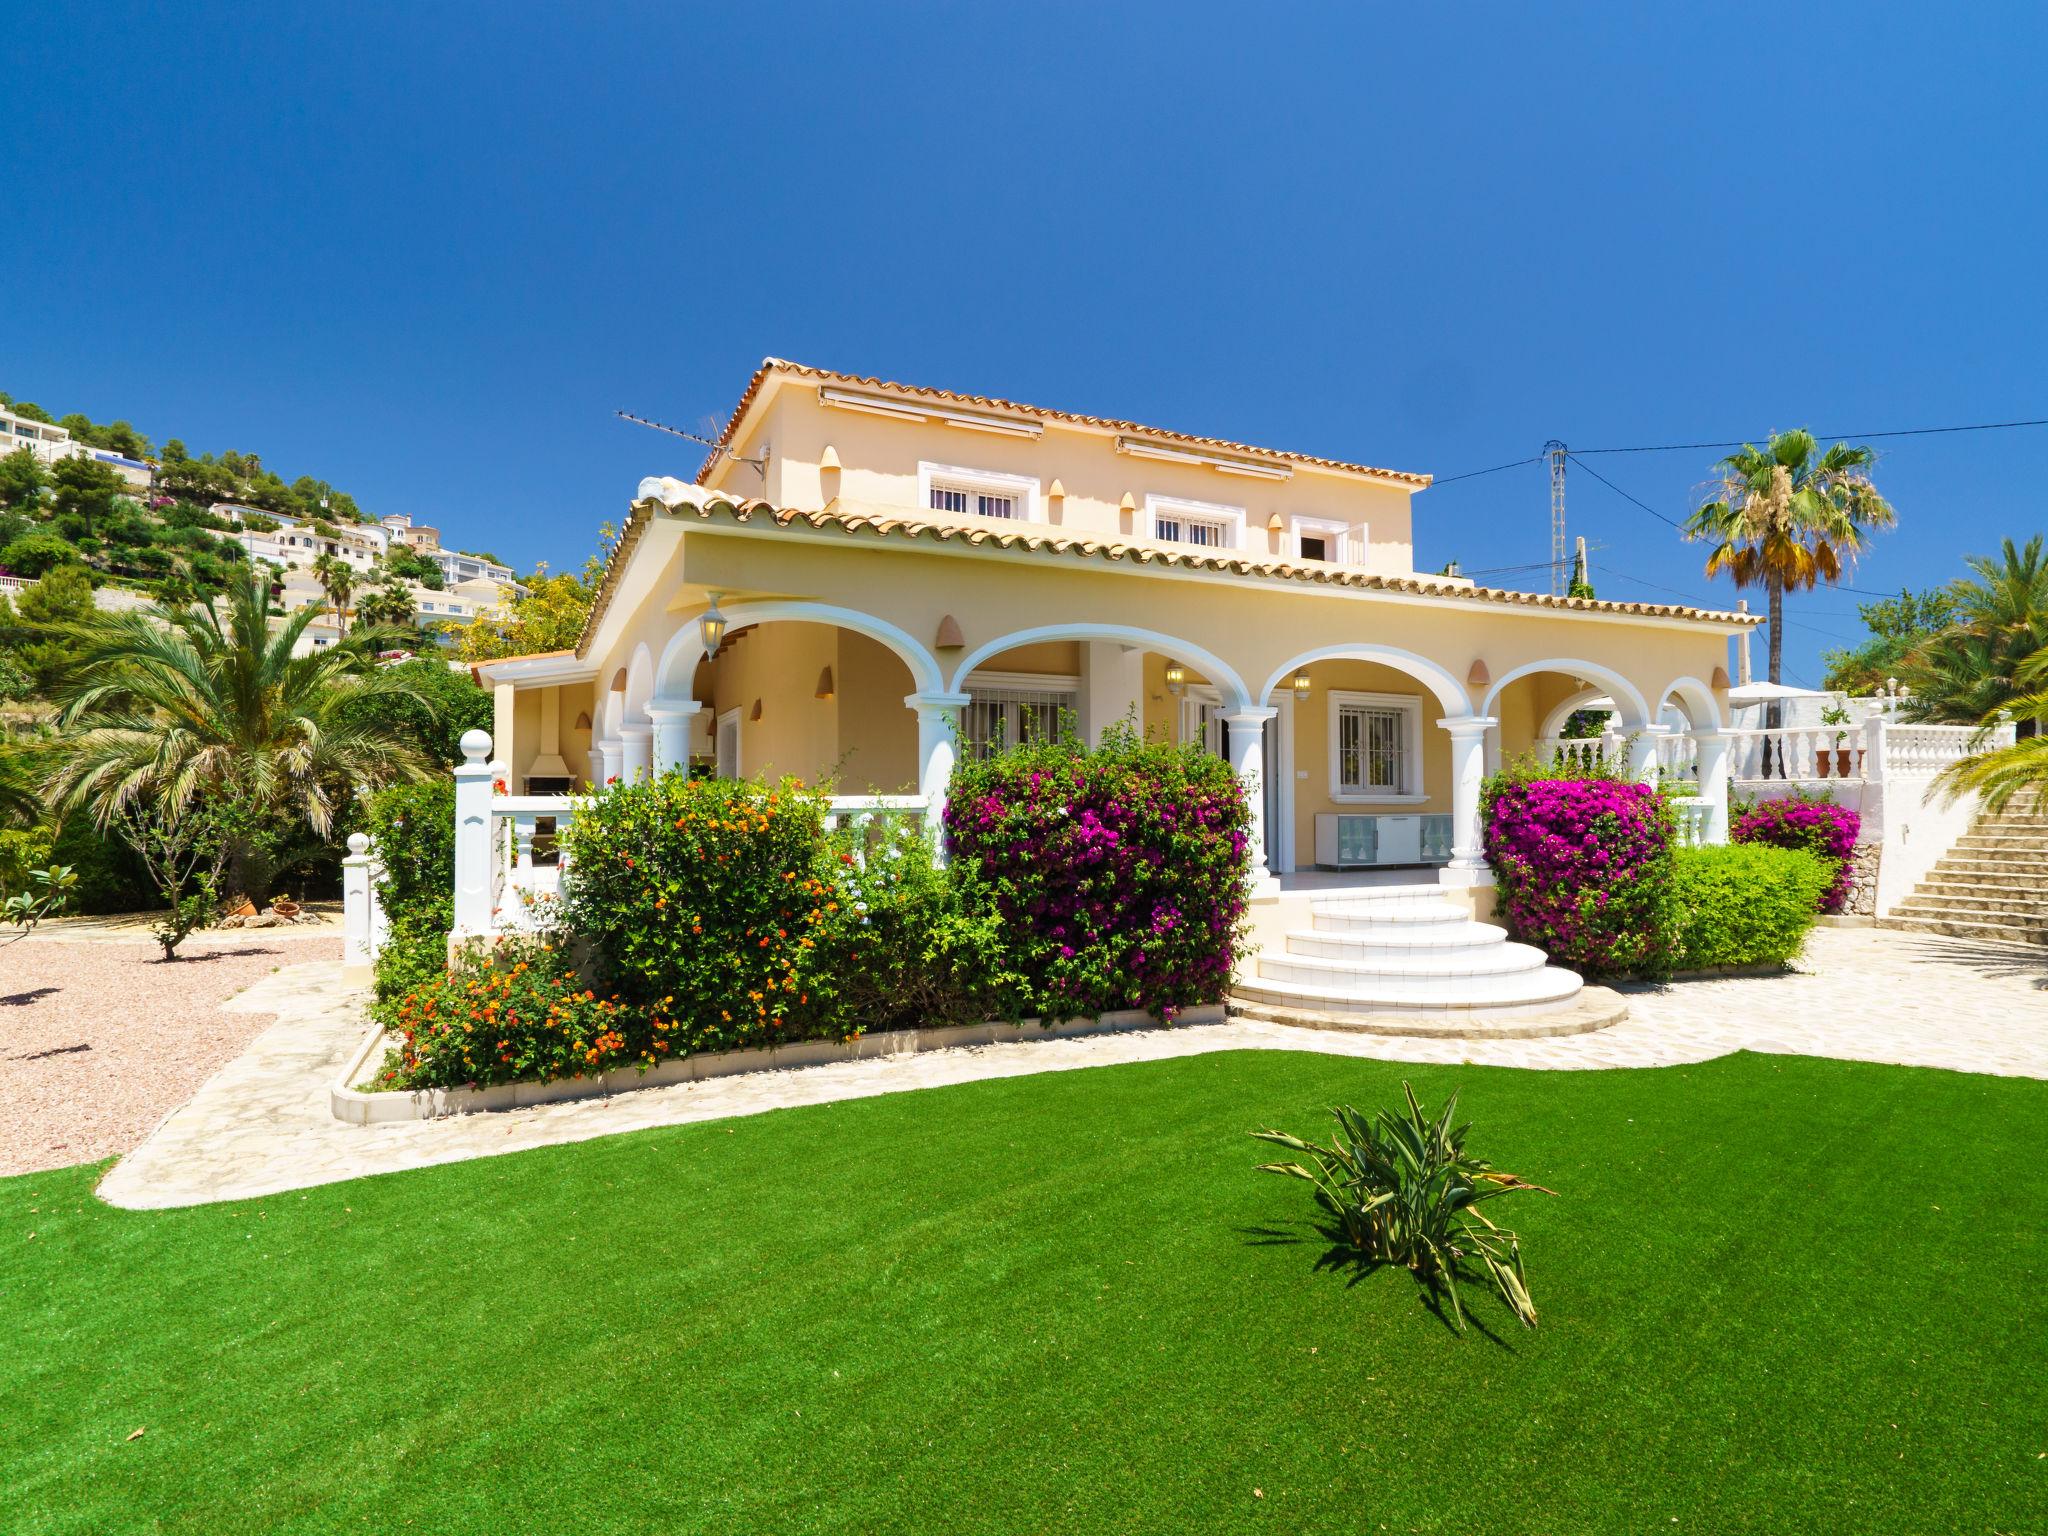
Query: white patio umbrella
[1764, 693]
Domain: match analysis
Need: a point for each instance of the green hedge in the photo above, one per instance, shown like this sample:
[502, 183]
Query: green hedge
[412, 828]
[1744, 904]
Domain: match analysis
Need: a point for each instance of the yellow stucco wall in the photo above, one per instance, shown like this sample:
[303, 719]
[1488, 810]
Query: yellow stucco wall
[879, 458]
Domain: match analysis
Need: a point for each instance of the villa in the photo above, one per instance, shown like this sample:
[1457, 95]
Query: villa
[867, 577]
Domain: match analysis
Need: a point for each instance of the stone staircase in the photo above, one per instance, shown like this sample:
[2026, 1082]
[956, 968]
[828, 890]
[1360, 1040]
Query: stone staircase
[1404, 959]
[1993, 884]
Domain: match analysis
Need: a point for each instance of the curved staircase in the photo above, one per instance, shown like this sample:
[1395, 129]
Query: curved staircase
[1405, 959]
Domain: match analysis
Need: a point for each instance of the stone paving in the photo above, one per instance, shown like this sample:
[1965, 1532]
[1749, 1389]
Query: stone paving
[263, 1124]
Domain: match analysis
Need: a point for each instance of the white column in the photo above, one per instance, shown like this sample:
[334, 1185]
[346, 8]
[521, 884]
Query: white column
[937, 750]
[1247, 730]
[358, 911]
[638, 753]
[672, 721]
[473, 836]
[1468, 772]
[1112, 687]
[1713, 762]
[611, 759]
[1642, 753]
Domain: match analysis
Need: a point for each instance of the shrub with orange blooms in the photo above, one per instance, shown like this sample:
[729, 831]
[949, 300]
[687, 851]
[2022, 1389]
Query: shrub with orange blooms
[707, 903]
[517, 1013]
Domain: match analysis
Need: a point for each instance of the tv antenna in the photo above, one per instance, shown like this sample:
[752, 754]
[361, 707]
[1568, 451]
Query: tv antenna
[1560, 578]
[759, 466]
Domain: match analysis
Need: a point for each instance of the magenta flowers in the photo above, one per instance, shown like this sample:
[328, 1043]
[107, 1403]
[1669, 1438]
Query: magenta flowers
[1819, 826]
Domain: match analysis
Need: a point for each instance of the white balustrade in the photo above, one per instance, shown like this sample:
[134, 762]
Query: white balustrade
[1584, 753]
[1921, 751]
[1695, 817]
[1799, 752]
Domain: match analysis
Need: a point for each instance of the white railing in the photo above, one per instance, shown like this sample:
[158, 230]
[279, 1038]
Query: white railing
[1694, 815]
[1582, 752]
[1921, 751]
[1800, 752]
[528, 863]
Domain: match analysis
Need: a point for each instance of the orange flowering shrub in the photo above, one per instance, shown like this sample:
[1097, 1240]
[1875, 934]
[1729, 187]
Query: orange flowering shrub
[710, 903]
[519, 1013]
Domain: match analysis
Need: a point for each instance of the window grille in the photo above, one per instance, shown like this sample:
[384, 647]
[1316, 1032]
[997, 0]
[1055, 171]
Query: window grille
[1369, 748]
[961, 499]
[1208, 532]
[1004, 717]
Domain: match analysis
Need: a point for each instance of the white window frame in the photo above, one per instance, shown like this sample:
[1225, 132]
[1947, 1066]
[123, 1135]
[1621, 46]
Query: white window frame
[1339, 534]
[1211, 511]
[990, 482]
[1193, 697]
[1408, 778]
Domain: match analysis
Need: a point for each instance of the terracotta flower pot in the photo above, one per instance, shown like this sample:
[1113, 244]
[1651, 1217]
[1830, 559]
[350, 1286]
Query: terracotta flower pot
[285, 908]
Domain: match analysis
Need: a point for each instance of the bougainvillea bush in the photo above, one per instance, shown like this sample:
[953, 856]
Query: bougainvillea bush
[1582, 866]
[1813, 824]
[1119, 874]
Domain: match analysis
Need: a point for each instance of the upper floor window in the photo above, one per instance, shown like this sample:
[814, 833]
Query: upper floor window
[1206, 524]
[957, 492]
[1323, 538]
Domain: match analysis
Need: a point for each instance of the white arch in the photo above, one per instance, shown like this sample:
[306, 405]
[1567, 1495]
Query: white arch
[676, 672]
[1553, 723]
[1218, 671]
[1437, 679]
[1629, 705]
[639, 685]
[1696, 699]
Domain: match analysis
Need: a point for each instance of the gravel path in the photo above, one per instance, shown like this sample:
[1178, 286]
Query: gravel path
[100, 1039]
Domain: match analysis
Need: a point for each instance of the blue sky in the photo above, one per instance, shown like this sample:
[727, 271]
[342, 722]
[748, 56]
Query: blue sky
[426, 252]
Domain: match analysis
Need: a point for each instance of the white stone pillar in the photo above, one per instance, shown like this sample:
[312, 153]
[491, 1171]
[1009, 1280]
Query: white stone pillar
[1112, 687]
[359, 924]
[638, 753]
[473, 848]
[1468, 772]
[938, 748]
[1712, 747]
[672, 719]
[1643, 766]
[1247, 732]
[611, 761]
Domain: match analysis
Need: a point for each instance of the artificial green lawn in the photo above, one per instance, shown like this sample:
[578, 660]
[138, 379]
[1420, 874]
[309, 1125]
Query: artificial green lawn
[1778, 1295]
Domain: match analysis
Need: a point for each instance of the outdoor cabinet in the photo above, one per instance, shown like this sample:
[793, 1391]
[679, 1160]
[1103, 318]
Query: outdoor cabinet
[1359, 840]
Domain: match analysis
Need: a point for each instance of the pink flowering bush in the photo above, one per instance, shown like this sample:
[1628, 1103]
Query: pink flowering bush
[1120, 873]
[1583, 868]
[1813, 824]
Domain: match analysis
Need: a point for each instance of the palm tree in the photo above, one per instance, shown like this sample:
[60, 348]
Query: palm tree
[179, 707]
[337, 579]
[1985, 661]
[1788, 517]
[389, 606]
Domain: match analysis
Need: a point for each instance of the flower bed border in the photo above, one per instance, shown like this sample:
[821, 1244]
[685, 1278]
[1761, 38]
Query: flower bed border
[357, 1106]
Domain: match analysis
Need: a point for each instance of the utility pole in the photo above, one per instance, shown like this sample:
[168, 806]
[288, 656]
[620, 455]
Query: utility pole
[1559, 571]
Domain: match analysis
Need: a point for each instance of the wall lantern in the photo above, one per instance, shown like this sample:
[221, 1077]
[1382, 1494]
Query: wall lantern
[1176, 678]
[825, 689]
[713, 626]
[756, 715]
[1301, 685]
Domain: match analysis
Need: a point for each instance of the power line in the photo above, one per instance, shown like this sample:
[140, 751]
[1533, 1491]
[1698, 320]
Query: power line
[1474, 474]
[1624, 495]
[1980, 426]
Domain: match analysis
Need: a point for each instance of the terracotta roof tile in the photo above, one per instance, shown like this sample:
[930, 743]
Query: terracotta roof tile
[714, 507]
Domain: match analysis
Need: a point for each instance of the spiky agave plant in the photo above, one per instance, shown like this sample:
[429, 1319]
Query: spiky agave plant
[1402, 1190]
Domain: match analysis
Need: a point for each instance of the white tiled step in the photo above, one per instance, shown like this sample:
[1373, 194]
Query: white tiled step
[1367, 945]
[1523, 991]
[1321, 970]
[1356, 916]
[1507, 983]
